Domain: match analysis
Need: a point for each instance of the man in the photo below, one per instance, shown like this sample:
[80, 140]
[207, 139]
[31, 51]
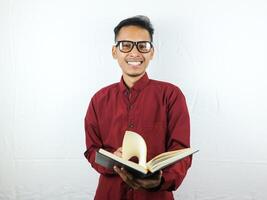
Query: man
[154, 109]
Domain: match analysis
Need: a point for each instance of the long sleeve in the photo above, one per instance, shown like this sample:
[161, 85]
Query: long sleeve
[178, 137]
[93, 139]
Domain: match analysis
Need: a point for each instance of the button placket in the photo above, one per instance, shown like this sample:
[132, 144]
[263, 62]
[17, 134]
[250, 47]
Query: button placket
[132, 94]
[130, 115]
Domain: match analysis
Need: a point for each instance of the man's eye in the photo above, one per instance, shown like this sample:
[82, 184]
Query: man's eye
[126, 45]
[142, 46]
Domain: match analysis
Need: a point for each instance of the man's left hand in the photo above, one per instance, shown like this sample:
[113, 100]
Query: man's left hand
[136, 183]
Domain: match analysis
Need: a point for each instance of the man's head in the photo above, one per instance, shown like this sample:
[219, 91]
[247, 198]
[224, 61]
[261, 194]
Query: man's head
[133, 49]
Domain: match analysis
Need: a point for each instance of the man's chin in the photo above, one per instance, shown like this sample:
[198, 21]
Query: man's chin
[133, 75]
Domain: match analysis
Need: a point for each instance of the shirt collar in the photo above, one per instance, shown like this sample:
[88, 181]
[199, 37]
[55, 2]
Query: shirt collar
[139, 85]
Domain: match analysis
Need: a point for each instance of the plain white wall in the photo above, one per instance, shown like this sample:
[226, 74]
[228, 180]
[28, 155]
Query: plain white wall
[55, 54]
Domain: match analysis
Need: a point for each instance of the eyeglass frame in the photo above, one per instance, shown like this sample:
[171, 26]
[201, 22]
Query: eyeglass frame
[134, 44]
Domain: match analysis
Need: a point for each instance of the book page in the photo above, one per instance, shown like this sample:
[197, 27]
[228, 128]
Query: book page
[165, 155]
[166, 160]
[160, 159]
[134, 145]
[123, 161]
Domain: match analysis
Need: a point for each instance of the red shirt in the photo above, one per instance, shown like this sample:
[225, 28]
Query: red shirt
[154, 109]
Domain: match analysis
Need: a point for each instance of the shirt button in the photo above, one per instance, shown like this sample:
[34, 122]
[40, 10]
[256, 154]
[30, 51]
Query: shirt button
[131, 125]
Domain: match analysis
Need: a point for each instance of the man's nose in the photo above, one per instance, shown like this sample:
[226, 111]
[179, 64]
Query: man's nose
[135, 50]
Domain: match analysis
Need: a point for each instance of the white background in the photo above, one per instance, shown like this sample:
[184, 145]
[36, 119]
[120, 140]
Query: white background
[55, 54]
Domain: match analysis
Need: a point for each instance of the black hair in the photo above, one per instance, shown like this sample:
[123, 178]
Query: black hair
[139, 20]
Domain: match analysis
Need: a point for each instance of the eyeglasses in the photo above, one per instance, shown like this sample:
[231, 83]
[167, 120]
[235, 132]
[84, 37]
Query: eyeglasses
[126, 46]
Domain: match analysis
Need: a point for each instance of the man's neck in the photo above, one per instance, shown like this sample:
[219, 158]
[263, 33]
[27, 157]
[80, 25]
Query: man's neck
[130, 80]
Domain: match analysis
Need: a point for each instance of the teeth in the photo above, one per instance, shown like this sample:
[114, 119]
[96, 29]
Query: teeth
[134, 63]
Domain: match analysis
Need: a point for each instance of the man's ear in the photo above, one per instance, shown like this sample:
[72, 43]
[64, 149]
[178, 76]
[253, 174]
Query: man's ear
[114, 52]
[151, 53]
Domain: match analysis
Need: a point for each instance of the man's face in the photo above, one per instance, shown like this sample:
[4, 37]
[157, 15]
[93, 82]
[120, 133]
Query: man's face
[133, 63]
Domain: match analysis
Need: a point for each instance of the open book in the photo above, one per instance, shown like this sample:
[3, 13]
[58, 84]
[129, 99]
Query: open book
[134, 146]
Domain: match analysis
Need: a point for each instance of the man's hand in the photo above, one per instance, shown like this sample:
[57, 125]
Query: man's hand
[118, 152]
[151, 182]
[135, 183]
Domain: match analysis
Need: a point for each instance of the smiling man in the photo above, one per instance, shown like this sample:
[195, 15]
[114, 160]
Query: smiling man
[156, 110]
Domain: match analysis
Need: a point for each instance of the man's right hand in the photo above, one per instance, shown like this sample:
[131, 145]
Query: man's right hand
[118, 152]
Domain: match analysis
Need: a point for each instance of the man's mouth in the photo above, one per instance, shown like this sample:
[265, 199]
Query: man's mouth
[134, 63]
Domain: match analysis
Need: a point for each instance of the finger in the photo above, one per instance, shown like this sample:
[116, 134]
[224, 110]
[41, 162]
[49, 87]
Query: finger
[118, 152]
[130, 179]
[150, 182]
[121, 174]
[156, 177]
[159, 175]
[130, 176]
[127, 178]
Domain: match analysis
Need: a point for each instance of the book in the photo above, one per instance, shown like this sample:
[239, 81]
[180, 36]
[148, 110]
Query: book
[134, 145]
